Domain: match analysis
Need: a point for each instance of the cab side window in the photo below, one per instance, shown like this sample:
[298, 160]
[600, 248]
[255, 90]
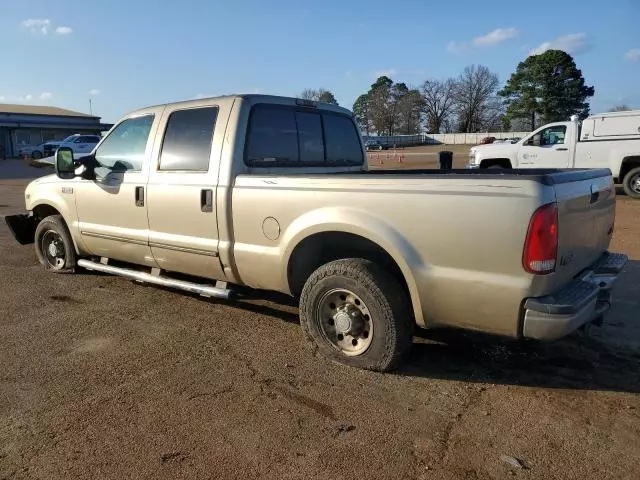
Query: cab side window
[553, 135]
[187, 140]
[124, 148]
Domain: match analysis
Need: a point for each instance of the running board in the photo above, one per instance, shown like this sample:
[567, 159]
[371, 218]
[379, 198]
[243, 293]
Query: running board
[200, 289]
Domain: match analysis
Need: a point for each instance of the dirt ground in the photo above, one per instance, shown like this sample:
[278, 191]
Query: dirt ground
[425, 156]
[101, 377]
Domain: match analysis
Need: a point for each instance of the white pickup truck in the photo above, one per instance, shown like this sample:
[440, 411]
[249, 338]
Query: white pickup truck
[607, 140]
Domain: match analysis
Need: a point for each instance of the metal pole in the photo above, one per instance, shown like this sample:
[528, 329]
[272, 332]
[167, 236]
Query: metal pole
[90, 109]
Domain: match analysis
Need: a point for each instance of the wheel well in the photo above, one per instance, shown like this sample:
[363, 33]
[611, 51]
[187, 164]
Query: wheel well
[628, 163]
[43, 211]
[503, 162]
[322, 248]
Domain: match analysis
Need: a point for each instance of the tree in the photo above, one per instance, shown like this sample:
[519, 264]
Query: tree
[620, 108]
[408, 111]
[389, 108]
[474, 97]
[361, 113]
[320, 95]
[439, 102]
[547, 88]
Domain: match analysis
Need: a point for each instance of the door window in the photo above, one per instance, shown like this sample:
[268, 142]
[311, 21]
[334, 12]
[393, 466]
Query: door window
[124, 148]
[549, 136]
[187, 140]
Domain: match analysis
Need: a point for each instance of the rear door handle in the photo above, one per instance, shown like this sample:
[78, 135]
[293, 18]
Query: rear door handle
[561, 149]
[206, 200]
[139, 196]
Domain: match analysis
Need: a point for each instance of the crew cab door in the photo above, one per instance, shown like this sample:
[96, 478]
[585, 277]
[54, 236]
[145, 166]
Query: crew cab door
[183, 223]
[550, 147]
[112, 208]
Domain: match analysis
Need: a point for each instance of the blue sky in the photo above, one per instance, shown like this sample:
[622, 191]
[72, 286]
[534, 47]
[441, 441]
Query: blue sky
[128, 54]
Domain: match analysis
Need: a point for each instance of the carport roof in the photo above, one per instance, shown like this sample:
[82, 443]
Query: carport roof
[41, 110]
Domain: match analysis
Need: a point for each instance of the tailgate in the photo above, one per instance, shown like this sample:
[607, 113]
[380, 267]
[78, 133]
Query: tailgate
[586, 214]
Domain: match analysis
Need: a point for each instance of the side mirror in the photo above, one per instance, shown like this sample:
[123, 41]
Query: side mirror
[65, 165]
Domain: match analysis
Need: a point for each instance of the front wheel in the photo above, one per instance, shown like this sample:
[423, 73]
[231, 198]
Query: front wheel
[53, 244]
[631, 183]
[357, 314]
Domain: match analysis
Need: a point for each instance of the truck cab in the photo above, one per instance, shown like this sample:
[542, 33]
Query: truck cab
[609, 140]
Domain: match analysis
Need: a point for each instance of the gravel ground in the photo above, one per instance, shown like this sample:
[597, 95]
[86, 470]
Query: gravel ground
[105, 378]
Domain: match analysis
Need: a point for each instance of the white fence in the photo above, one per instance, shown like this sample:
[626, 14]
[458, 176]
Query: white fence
[441, 138]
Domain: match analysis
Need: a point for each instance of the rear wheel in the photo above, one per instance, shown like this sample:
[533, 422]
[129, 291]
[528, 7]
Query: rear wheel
[631, 183]
[36, 155]
[53, 244]
[357, 314]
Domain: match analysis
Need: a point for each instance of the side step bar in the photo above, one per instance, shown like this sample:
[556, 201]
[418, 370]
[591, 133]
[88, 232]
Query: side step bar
[204, 290]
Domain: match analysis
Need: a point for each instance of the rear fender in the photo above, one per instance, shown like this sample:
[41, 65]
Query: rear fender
[361, 223]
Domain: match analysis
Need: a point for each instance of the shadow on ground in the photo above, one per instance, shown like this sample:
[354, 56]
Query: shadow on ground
[606, 359]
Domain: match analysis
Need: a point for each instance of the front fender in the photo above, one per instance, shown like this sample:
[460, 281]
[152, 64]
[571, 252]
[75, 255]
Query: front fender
[56, 196]
[366, 225]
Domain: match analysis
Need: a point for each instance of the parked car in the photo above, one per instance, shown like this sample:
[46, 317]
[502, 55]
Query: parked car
[33, 151]
[76, 142]
[235, 191]
[374, 145]
[607, 140]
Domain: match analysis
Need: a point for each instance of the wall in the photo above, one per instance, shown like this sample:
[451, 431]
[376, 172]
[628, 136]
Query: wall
[441, 138]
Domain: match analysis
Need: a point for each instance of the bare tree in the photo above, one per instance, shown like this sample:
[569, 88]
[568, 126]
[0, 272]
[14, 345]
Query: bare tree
[439, 102]
[474, 89]
[319, 95]
[620, 108]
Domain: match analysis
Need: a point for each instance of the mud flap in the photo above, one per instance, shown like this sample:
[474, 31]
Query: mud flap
[23, 228]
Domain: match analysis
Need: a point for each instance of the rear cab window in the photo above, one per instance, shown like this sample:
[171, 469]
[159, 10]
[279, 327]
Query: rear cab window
[280, 135]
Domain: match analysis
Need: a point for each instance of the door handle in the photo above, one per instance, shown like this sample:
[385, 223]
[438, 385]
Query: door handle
[139, 196]
[562, 149]
[206, 200]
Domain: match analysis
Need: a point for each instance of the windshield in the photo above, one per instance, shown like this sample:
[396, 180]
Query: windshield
[70, 138]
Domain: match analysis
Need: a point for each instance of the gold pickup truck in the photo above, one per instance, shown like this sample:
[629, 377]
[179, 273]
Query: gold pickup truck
[275, 193]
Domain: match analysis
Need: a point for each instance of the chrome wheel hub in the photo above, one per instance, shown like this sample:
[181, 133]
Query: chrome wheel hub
[345, 322]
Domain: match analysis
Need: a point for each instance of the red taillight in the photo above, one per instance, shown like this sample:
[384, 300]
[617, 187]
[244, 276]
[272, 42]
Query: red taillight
[541, 245]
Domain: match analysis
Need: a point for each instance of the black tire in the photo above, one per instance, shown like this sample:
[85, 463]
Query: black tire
[631, 183]
[495, 165]
[53, 229]
[390, 314]
[36, 155]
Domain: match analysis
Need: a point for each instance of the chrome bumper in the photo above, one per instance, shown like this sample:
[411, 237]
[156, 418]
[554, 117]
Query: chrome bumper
[582, 301]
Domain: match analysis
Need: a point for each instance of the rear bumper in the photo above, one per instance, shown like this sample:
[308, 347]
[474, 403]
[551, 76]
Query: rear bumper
[23, 227]
[582, 301]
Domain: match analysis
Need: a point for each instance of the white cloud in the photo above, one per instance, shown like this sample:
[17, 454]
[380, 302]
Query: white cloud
[495, 37]
[1, 99]
[455, 47]
[46, 95]
[64, 30]
[633, 55]
[94, 91]
[28, 97]
[391, 72]
[36, 25]
[571, 43]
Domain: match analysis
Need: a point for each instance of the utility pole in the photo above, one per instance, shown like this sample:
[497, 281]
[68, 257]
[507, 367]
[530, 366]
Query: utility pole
[90, 109]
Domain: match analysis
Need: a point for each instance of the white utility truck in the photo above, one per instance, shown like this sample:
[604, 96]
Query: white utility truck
[606, 140]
